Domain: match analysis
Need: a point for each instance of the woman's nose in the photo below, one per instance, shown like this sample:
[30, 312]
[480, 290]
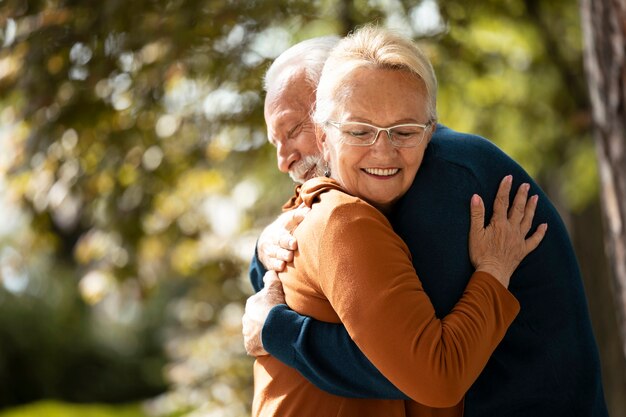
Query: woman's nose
[383, 142]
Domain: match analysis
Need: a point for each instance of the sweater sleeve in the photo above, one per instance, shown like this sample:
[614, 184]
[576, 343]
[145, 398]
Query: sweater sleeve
[256, 272]
[366, 273]
[324, 354]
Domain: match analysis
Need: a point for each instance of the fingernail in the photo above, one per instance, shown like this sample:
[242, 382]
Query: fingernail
[508, 178]
[526, 186]
[475, 200]
[535, 198]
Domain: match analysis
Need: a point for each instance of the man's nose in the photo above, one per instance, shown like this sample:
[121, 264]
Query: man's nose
[286, 156]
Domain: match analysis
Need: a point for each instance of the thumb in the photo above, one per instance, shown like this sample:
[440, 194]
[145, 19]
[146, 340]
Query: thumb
[273, 288]
[477, 214]
[271, 280]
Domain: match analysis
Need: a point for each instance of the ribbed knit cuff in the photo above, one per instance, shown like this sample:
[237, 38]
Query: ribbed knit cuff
[509, 304]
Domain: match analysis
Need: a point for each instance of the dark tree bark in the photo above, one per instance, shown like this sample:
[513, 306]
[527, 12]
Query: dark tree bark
[604, 31]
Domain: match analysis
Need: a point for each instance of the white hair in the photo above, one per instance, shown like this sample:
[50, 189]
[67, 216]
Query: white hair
[309, 55]
[372, 47]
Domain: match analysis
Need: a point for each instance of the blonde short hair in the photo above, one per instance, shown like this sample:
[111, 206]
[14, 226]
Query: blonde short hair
[372, 47]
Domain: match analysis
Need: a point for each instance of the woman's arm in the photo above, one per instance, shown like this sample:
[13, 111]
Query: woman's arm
[366, 273]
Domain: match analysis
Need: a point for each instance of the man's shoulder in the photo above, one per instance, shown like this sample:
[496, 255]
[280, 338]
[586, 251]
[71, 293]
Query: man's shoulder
[470, 155]
[465, 149]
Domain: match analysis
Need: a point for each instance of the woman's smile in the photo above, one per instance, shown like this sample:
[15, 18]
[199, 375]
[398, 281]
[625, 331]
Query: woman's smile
[381, 173]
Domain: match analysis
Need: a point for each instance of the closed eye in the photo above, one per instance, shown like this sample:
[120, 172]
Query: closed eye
[359, 133]
[294, 131]
[404, 133]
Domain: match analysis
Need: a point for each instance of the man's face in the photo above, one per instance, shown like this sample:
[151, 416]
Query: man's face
[288, 108]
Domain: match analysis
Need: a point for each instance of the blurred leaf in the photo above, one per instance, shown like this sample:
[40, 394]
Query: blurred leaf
[57, 409]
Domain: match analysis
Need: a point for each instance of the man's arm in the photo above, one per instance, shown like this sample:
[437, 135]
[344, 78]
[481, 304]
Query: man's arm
[256, 271]
[323, 352]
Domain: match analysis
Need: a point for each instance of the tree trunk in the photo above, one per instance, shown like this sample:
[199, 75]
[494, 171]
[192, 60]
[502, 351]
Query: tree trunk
[604, 31]
[588, 236]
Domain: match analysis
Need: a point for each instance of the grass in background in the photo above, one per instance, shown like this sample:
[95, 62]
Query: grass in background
[59, 409]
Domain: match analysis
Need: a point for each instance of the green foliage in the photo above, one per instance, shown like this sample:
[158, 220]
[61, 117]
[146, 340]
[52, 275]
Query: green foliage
[53, 346]
[513, 73]
[57, 409]
[137, 175]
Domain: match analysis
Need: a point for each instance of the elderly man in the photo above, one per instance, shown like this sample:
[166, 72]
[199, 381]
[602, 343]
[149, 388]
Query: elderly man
[547, 364]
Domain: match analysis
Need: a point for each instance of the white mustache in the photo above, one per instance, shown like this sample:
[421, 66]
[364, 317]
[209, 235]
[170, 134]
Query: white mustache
[307, 168]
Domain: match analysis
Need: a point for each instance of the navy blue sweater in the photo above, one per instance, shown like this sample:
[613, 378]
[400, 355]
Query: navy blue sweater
[546, 365]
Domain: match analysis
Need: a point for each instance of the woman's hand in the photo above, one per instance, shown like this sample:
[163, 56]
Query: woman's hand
[499, 248]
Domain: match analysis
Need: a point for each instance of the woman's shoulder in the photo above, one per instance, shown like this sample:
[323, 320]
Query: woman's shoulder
[333, 203]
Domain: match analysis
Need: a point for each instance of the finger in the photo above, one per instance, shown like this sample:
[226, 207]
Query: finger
[501, 203]
[285, 255]
[276, 265]
[529, 214]
[274, 292]
[270, 278]
[297, 215]
[533, 241]
[275, 288]
[265, 251]
[273, 258]
[287, 241]
[303, 209]
[516, 212]
[283, 219]
[477, 214]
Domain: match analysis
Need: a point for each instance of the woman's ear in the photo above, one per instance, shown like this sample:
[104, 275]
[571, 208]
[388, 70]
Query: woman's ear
[432, 132]
[322, 142]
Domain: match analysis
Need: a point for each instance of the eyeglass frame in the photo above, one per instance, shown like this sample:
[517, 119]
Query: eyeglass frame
[425, 128]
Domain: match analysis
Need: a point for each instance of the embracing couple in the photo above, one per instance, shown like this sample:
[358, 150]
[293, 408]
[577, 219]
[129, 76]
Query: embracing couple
[413, 273]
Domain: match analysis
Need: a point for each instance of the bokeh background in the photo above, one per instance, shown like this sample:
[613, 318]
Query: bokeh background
[135, 177]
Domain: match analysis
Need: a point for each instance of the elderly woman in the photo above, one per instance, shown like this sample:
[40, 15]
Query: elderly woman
[375, 114]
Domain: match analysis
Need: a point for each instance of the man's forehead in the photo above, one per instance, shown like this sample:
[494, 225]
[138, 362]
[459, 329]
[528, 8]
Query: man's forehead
[285, 116]
[290, 88]
[292, 105]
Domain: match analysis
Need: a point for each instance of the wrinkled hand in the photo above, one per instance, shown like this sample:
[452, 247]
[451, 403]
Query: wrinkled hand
[500, 247]
[277, 244]
[258, 307]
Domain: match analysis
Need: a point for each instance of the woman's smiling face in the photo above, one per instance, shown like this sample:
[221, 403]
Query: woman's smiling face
[380, 173]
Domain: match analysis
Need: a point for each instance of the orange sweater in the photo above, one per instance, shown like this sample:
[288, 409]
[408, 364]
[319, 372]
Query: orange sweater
[351, 267]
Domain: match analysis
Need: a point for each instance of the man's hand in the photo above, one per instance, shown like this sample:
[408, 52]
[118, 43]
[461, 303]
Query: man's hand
[277, 244]
[258, 307]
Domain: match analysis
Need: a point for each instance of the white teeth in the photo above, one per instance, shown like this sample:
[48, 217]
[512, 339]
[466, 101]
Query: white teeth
[381, 172]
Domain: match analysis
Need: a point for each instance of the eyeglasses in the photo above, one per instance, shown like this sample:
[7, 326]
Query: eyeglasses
[364, 134]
